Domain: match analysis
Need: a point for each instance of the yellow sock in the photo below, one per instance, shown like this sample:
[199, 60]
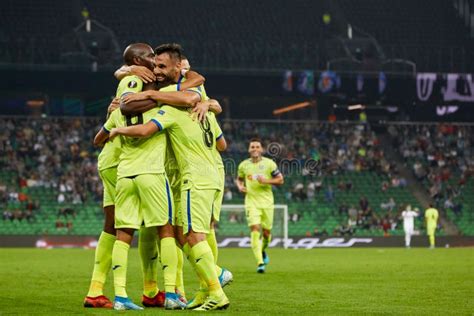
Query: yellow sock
[148, 257]
[266, 242]
[169, 262]
[190, 256]
[206, 268]
[119, 267]
[432, 240]
[179, 272]
[256, 246]
[212, 241]
[103, 261]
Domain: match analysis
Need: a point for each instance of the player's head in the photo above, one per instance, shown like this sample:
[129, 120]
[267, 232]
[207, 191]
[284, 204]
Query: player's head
[430, 205]
[408, 207]
[255, 148]
[140, 54]
[185, 65]
[168, 62]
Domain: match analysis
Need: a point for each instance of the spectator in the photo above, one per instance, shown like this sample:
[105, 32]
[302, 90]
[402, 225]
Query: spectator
[363, 203]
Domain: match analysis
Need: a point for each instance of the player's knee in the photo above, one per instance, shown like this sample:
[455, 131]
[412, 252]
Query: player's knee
[166, 231]
[109, 222]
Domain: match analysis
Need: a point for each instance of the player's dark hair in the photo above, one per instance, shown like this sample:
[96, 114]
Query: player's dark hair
[256, 139]
[183, 57]
[172, 49]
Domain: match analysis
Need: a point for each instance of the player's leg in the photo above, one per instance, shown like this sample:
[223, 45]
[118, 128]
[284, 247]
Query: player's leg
[267, 225]
[148, 250]
[157, 208]
[128, 218]
[103, 252]
[254, 222]
[197, 226]
[431, 235]
[407, 238]
[225, 276]
[181, 241]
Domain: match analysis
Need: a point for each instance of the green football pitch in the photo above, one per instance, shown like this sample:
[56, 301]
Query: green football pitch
[306, 282]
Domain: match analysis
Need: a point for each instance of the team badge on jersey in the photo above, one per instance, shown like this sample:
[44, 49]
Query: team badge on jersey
[132, 84]
[161, 112]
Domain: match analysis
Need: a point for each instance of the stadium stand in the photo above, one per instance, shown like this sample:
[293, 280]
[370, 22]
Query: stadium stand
[49, 183]
[290, 35]
[441, 157]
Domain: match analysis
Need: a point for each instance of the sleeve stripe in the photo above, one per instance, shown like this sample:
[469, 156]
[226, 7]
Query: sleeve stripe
[105, 130]
[221, 135]
[178, 86]
[126, 93]
[160, 127]
[275, 173]
[200, 96]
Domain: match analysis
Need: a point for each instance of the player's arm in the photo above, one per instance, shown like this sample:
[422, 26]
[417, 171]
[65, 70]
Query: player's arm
[136, 131]
[214, 106]
[221, 143]
[193, 79]
[177, 98]
[132, 85]
[145, 74]
[275, 180]
[101, 137]
[240, 180]
[241, 184]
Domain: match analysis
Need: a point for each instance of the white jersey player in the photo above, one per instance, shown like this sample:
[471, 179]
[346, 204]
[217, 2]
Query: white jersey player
[408, 223]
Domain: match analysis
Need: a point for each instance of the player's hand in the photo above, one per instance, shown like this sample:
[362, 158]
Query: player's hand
[201, 110]
[135, 97]
[145, 74]
[113, 133]
[262, 180]
[113, 105]
[242, 189]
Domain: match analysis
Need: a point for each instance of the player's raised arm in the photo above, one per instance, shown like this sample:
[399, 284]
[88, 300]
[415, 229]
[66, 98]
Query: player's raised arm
[178, 98]
[145, 74]
[193, 79]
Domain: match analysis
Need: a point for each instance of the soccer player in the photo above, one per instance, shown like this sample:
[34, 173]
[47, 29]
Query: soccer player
[256, 176]
[143, 194]
[107, 166]
[408, 216]
[192, 142]
[186, 79]
[431, 218]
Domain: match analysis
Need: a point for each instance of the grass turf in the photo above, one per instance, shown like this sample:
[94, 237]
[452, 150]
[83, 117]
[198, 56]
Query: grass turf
[306, 282]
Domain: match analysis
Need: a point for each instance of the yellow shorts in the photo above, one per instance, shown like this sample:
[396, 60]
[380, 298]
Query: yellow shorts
[260, 216]
[143, 199]
[216, 212]
[430, 230]
[109, 180]
[196, 209]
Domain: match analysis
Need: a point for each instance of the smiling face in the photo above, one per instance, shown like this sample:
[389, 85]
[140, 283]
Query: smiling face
[167, 68]
[255, 149]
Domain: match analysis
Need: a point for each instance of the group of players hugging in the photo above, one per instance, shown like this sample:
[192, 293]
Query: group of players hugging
[163, 175]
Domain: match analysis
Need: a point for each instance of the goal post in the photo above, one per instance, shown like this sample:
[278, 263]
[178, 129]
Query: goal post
[233, 222]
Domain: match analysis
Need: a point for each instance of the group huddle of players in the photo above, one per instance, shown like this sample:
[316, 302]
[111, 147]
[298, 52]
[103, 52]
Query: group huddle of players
[163, 175]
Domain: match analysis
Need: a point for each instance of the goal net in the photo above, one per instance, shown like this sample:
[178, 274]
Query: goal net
[233, 224]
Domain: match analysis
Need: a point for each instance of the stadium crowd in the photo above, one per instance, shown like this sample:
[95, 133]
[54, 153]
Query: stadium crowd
[57, 154]
[440, 156]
